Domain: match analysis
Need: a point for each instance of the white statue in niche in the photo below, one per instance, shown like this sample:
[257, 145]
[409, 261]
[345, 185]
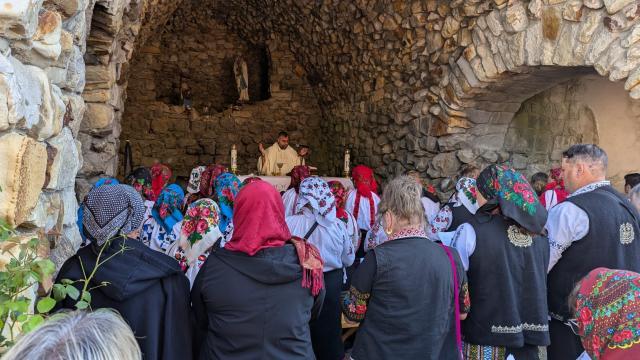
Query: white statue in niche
[242, 79]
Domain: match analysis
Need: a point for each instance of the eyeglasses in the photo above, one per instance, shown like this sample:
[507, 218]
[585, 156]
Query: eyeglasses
[573, 324]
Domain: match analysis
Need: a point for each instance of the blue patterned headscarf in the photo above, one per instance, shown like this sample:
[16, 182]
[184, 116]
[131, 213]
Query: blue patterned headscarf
[227, 186]
[100, 182]
[166, 209]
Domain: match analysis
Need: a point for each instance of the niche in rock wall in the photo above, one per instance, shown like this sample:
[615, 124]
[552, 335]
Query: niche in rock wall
[195, 59]
[586, 109]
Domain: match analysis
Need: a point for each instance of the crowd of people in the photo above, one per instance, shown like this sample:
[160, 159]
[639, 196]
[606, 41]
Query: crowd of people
[504, 269]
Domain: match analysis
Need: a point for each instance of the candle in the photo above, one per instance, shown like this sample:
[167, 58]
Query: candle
[347, 158]
[234, 159]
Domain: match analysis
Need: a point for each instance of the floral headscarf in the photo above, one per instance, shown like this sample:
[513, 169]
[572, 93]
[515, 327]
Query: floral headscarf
[140, 179]
[166, 210]
[298, 173]
[227, 187]
[200, 229]
[466, 194]
[160, 176]
[607, 310]
[340, 194]
[516, 198]
[100, 182]
[315, 192]
[208, 178]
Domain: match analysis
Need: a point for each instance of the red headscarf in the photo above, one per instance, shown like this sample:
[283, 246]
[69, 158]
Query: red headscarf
[298, 173]
[364, 181]
[160, 176]
[208, 178]
[258, 220]
[607, 309]
[557, 185]
[340, 193]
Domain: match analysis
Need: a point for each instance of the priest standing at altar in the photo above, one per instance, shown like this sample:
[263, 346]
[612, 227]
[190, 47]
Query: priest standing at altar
[279, 158]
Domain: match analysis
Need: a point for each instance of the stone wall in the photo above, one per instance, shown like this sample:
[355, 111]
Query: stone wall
[197, 49]
[42, 76]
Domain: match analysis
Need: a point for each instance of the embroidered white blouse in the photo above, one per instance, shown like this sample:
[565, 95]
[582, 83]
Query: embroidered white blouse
[431, 209]
[567, 223]
[364, 216]
[333, 241]
[289, 199]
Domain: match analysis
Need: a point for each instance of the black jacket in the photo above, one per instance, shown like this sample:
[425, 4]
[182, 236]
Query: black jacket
[146, 287]
[253, 307]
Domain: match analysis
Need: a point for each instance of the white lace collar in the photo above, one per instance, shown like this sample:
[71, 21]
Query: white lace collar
[590, 187]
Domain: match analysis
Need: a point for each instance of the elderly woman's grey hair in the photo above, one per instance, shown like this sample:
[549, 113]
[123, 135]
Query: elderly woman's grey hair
[402, 198]
[78, 335]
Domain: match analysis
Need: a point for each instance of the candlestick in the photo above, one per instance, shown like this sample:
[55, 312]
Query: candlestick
[234, 159]
[347, 159]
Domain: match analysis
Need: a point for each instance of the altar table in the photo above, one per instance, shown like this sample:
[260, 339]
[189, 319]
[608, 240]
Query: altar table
[281, 183]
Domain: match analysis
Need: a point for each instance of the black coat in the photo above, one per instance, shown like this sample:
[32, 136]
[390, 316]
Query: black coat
[147, 288]
[253, 307]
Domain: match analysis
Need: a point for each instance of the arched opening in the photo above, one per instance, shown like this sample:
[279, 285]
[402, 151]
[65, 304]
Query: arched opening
[196, 50]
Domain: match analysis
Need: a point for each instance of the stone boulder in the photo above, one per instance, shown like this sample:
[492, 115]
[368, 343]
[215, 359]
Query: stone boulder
[19, 18]
[24, 164]
[65, 165]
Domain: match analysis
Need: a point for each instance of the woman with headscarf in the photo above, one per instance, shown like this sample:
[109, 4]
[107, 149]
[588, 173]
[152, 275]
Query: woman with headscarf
[200, 231]
[555, 192]
[140, 180]
[162, 228]
[409, 293]
[254, 297]
[208, 179]
[340, 194]
[226, 187]
[460, 208]
[147, 288]
[160, 176]
[193, 187]
[100, 182]
[290, 197]
[362, 202]
[507, 259]
[318, 224]
[605, 305]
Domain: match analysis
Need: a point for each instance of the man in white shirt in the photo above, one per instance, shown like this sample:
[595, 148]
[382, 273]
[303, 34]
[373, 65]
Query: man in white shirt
[279, 158]
[595, 227]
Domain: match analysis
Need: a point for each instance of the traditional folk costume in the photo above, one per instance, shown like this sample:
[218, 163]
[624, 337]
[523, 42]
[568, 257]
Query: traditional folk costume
[362, 202]
[290, 197]
[160, 176]
[555, 192]
[162, 229]
[606, 313]
[227, 187]
[274, 155]
[340, 193]
[204, 182]
[200, 231]
[595, 227]
[140, 179]
[459, 209]
[255, 297]
[430, 202]
[318, 224]
[507, 270]
[381, 286]
[144, 286]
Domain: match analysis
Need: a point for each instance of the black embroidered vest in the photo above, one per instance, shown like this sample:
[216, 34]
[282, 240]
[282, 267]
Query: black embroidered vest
[460, 215]
[507, 283]
[612, 242]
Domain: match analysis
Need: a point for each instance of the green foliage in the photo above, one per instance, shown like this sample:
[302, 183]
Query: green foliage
[22, 273]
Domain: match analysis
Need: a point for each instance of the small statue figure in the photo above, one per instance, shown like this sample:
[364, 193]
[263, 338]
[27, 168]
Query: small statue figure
[185, 94]
[242, 79]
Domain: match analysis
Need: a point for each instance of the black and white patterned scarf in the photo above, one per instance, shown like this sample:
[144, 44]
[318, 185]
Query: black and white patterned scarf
[110, 211]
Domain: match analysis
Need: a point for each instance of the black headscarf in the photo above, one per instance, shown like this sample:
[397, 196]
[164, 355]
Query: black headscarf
[507, 188]
[140, 180]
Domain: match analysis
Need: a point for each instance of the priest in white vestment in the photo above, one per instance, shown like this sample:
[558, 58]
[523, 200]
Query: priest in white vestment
[280, 158]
